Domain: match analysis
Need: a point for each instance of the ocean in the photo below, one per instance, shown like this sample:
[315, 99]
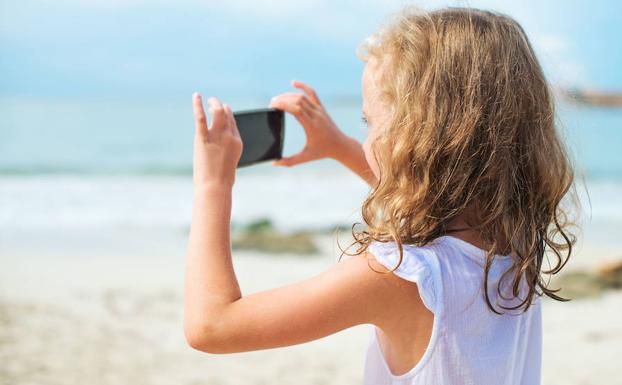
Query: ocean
[118, 173]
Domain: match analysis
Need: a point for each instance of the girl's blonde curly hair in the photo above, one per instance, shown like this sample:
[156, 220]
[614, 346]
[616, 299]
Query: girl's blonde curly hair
[471, 130]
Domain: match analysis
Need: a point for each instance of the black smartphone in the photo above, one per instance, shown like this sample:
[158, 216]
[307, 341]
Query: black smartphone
[262, 131]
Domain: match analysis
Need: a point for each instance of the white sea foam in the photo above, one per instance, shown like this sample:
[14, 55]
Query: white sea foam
[290, 198]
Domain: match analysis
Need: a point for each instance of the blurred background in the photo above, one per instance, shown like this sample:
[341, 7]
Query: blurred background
[96, 135]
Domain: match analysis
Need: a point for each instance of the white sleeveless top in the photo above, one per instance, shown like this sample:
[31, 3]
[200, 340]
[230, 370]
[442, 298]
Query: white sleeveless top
[469, 345]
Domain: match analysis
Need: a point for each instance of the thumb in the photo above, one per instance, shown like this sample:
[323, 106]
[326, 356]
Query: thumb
[289, 161]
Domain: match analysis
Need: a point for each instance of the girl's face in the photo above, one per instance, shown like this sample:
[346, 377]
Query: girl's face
[374, 111]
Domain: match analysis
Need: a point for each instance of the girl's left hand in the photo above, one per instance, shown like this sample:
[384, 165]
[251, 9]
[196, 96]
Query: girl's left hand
[217, 149]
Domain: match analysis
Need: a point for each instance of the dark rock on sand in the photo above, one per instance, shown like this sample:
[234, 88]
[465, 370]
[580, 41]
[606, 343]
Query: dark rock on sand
[261, 236]
[580, 284]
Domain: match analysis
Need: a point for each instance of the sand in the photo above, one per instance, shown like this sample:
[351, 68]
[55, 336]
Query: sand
[71, 318]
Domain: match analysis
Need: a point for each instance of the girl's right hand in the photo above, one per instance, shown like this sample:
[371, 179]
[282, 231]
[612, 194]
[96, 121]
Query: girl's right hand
[323, 138]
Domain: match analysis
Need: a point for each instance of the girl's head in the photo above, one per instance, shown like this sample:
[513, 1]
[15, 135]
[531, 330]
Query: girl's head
[461, 123]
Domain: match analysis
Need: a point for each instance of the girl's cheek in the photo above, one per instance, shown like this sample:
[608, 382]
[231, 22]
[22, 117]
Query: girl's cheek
[368, 156]
[366, 148]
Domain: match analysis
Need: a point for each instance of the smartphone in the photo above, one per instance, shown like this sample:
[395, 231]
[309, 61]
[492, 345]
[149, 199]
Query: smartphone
[263, 132]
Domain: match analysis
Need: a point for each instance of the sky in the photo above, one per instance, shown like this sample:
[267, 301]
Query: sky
[165, 49]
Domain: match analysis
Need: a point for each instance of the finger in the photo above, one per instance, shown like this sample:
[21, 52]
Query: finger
[200, 119]
[308, 104]
[292, 160]
[292, 103]
[308, 90]
[219, 119]
[291, 97]
[232, 126]
[284, 94]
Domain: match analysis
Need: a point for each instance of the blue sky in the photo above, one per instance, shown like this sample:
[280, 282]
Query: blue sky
[165, 49]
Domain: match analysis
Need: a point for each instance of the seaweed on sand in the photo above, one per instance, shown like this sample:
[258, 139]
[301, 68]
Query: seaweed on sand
[261, 235]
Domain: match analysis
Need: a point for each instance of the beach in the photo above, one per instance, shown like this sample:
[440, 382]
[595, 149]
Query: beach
[93, 237]
[118, 320]
[102, 303]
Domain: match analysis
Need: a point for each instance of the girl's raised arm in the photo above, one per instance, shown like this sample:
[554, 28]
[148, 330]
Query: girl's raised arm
[323, 138]
[217, 318]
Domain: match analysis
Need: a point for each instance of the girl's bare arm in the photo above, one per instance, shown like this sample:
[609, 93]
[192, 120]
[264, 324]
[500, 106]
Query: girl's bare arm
[217, 318]
[324, 138]
[351, 155]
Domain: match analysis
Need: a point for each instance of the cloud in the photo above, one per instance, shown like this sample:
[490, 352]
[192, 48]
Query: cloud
[554, 52]
[155, 38]
[330, 20]
[552, 43]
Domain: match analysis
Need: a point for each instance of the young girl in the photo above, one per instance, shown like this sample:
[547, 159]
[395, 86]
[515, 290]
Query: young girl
[467, 175]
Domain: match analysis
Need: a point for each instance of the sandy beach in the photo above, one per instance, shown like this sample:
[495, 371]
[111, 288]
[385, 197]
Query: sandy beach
[70, 318]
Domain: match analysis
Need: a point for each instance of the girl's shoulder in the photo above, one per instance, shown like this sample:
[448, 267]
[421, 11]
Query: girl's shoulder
[445, 263]
[418, 264]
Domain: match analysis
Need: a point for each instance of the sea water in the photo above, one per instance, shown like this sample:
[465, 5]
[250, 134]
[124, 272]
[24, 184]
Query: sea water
[117, 173]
